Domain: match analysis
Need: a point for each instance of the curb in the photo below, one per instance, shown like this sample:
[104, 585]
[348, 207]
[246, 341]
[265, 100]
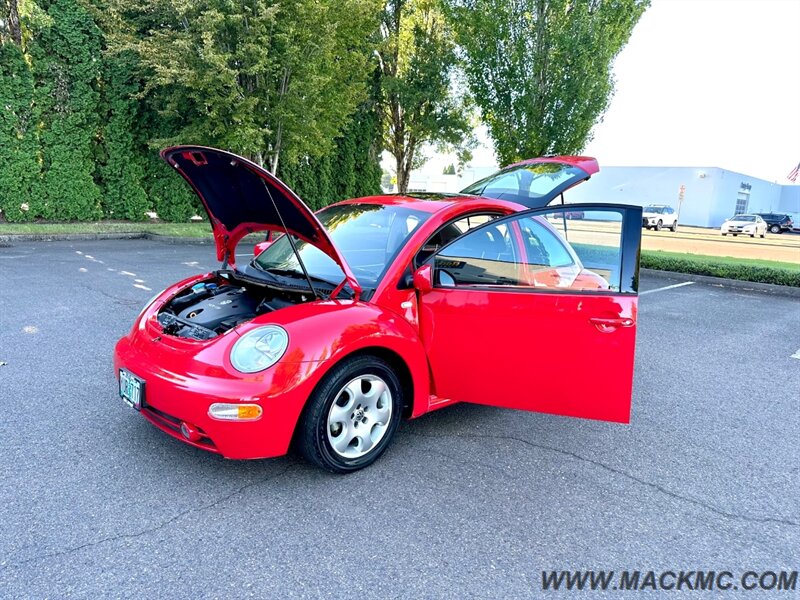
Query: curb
[172, 239]
[10, 238]
[738, 284]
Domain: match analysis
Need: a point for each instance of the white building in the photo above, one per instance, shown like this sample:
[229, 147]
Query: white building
[705, 196]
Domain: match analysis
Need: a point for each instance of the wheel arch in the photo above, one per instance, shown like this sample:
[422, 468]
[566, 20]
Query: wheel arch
[415, 392]
[397, 363]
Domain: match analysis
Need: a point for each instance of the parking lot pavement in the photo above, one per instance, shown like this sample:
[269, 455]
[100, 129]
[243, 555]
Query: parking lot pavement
[470, 501]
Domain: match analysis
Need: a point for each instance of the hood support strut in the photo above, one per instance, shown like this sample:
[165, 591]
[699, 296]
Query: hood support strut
[291, 242]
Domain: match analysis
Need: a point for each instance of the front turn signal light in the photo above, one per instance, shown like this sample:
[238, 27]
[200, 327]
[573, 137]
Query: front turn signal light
[234, 412]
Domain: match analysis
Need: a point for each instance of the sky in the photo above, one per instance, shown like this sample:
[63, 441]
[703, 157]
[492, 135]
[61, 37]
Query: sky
[713, 83]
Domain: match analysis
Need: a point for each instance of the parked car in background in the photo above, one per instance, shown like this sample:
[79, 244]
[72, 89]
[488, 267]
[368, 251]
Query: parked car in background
[751, 225]
[777, 222]
[658, 216]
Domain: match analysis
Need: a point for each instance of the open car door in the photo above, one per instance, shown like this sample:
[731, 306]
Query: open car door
[537, 311]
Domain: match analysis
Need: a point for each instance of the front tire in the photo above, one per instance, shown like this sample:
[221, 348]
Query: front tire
[352, 415]
[774, 229]
[658, 225]
[674, 227]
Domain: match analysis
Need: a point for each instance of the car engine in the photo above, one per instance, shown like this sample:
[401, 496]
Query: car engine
[211, 308]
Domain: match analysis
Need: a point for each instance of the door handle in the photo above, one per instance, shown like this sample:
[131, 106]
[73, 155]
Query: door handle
[609, 324]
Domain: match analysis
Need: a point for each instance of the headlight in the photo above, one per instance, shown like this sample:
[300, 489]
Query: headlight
[259, 349]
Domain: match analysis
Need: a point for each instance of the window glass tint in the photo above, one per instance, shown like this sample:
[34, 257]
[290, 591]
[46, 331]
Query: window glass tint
[449, 232]
[560, 249]
[543, 247]
[596, 238]
[368, 235]
[523, 183]
[487, 256]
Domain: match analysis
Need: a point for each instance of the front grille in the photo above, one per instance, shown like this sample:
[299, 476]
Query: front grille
[167, 421]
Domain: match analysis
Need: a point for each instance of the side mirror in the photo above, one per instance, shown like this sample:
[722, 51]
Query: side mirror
[423, 278]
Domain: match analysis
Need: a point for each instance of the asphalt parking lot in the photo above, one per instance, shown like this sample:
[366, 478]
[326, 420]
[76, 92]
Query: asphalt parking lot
[470, 501]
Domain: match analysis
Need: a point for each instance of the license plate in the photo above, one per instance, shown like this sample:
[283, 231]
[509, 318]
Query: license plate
[131, 389]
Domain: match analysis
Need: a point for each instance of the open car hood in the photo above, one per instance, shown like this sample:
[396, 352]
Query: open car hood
[242, 198]
[535, 182]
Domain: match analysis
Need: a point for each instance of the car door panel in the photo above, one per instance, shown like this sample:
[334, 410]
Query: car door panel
[481, 351]
[534, 344]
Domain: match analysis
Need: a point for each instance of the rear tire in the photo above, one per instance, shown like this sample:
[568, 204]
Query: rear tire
[658, 225]
[674, 227]
[352, 434]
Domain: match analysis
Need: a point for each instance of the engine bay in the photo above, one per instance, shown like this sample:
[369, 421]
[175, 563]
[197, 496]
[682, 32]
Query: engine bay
[210, 308]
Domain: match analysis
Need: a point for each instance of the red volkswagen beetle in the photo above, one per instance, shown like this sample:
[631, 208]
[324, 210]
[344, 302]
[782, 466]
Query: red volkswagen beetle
[386, 307]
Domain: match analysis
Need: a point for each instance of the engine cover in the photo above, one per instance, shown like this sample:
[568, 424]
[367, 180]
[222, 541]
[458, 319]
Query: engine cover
[232, 304]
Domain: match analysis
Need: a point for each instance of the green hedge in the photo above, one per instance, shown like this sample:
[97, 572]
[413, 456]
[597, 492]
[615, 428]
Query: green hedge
[708, 266]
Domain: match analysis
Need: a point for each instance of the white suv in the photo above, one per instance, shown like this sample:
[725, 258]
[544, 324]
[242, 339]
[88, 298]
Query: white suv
[658, 216]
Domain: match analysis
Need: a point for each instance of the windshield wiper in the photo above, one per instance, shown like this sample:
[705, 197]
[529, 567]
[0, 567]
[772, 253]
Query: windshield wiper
[298, 275]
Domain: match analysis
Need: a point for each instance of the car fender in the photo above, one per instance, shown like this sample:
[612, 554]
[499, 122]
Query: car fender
[326, 332]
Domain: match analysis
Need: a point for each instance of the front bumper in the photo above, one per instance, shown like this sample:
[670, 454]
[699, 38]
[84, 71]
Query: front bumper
[180, 388]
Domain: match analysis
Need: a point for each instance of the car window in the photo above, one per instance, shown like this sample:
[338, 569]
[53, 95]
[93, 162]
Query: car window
[368, 235]
[450, 232]
[526, 182]
[544, 251]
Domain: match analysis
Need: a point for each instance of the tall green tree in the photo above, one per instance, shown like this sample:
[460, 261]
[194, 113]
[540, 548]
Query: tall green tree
[352, 169]
[66, 58]
[268, 79]
[540, 70]
[121, 163]
[19, 143]
[417, 66]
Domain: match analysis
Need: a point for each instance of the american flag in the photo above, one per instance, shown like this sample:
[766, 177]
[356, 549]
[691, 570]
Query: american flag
[792, 176]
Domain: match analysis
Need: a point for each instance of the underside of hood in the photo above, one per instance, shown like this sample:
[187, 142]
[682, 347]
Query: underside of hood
[242, 198]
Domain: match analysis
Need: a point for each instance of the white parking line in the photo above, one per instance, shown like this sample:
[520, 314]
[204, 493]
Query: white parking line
[666, 287]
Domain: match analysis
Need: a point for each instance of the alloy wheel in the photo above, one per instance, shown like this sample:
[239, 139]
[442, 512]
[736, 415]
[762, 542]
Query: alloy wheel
[359, 416]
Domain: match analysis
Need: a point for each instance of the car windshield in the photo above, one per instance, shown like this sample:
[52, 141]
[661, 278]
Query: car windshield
[367, 235]
[654, 209]
[523, 183]
[743, 218]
